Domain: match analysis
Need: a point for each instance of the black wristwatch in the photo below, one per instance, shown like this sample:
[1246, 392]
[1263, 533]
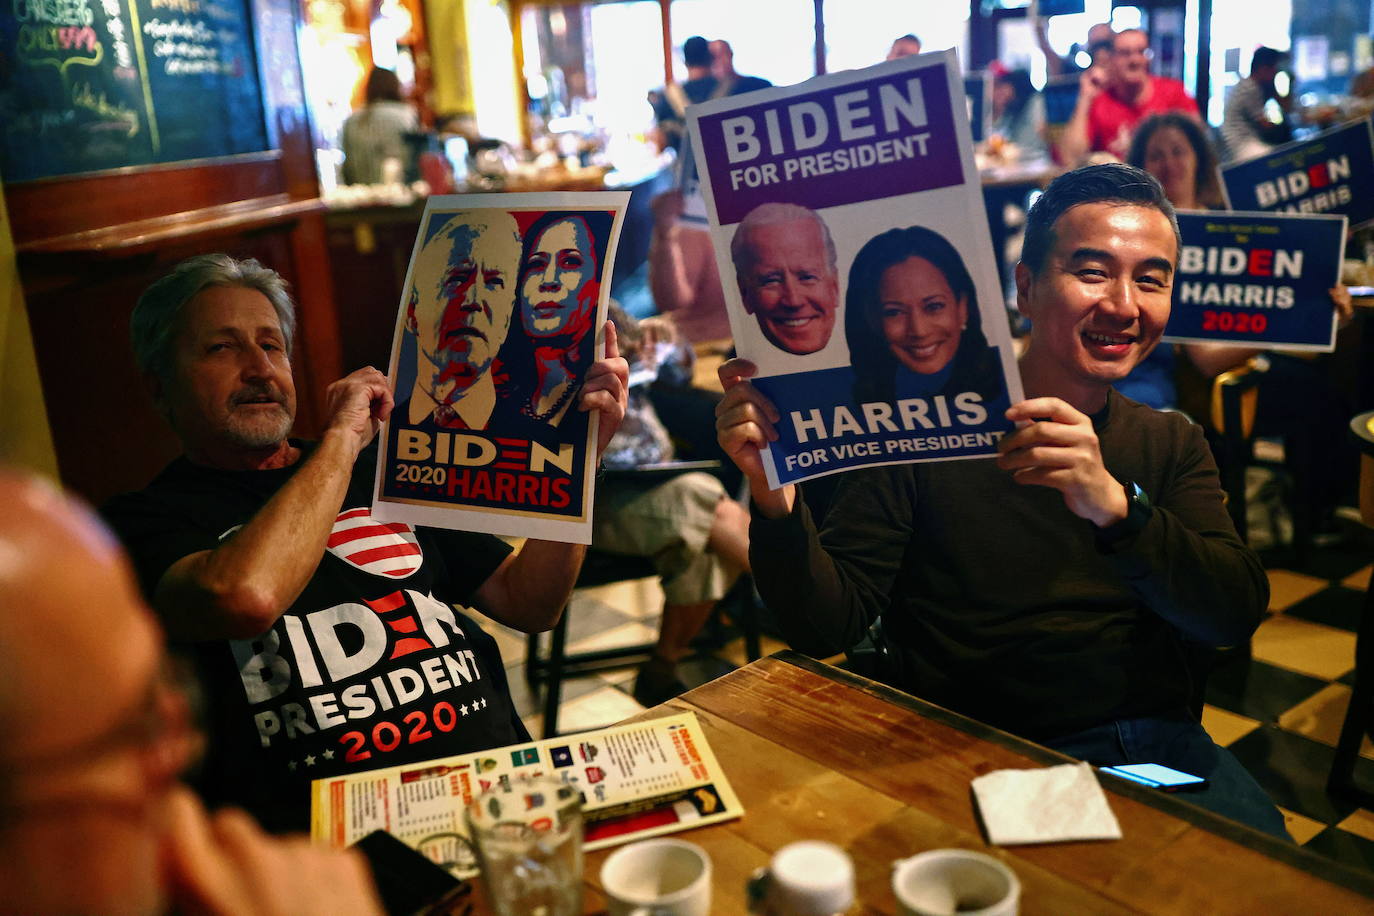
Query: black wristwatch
[1138, 512]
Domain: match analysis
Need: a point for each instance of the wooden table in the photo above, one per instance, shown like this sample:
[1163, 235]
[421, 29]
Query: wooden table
[817, 753]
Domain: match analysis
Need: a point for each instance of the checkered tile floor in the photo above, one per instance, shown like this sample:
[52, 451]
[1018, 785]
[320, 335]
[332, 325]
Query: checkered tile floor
[1280, 711]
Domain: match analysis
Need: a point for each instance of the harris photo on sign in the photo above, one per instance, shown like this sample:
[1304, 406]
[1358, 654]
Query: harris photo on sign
[1257, 279]
[849, 215]
[500, 318]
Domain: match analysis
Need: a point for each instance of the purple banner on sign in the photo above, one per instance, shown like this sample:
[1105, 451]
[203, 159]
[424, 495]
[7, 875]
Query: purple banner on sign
[858, 142]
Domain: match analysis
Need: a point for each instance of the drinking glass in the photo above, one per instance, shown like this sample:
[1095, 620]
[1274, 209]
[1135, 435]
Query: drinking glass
[527, 834]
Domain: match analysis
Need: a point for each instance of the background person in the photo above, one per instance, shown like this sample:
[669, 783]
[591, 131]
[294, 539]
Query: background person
[316, 629]
[912, 321]
[93, 817]
[1098, 47]
[723, 68]
[1174, 148]
[785, 266]
[1018, 112]
[557, 292]
[1248, 128]
[905, 46]
[377, 132]
[1111, 103]
[683, 276]
[670, 106]
[696, 536]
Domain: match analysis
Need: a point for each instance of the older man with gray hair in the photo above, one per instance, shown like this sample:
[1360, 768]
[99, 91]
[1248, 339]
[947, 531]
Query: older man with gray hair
[329, 642]
[785, 266]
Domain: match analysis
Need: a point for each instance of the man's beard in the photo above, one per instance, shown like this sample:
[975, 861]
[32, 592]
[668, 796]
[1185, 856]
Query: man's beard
[258, 432]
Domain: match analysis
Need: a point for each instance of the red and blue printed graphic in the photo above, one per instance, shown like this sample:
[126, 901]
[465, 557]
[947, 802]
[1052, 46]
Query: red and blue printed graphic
[498, 325]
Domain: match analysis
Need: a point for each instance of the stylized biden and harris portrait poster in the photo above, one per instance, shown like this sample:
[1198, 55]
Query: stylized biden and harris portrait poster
[849, 228]
[500, 318]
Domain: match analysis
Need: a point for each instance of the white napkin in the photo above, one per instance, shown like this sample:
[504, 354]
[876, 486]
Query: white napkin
[1048, 805]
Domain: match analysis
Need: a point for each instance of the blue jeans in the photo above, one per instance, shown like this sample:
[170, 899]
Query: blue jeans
[1182, 744]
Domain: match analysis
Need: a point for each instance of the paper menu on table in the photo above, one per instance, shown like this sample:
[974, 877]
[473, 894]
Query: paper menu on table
[637, 780]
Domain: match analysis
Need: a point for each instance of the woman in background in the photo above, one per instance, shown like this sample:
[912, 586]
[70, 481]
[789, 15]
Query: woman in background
[1018, 112]
[377, 132]
[1173, 148]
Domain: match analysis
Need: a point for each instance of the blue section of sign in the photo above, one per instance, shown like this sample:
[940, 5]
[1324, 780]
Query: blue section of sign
[1255, 278]
[823, 429]
[1331, 173]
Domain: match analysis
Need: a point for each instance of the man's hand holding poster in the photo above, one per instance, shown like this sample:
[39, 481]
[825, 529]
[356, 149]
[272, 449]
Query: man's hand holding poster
[501, 316]
[848, 222]
[1332, 172]
[1258, 279]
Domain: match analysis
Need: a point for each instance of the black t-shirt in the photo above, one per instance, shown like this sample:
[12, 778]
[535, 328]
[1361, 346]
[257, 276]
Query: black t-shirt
[371, 667]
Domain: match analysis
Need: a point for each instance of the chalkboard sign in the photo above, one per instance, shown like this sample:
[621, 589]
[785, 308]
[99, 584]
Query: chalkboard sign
[98, 84]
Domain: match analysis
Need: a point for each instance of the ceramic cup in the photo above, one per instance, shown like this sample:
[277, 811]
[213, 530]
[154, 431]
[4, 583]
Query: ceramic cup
[660, 877]
[943, 882]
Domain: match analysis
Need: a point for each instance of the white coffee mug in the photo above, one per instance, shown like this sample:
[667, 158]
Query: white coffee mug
[660, 877]
[942, 882]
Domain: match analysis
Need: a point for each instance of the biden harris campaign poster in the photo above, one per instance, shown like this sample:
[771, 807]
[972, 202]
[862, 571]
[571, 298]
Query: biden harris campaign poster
[1332, 172]
[1257, 279]
[501, 315]
[848, 224]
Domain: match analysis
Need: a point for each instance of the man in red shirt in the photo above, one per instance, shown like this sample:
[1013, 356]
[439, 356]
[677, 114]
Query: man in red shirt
[1114, 99]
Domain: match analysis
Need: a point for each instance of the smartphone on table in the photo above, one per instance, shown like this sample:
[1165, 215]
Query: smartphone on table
[1157, 776]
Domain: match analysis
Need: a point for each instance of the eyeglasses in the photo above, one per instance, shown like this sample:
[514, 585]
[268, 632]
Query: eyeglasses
[125, 767]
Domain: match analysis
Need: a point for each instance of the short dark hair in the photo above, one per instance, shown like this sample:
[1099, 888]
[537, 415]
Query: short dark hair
[1267, 57]
[696, 52]
[1110, 183]
[1206, 183]
[382, 86]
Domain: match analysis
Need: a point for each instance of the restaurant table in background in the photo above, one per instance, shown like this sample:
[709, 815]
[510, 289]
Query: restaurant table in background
[815, 752]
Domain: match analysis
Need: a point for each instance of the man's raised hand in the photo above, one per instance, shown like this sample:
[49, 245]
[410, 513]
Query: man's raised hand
[1057, 447]
[358, 403]
[606, 389]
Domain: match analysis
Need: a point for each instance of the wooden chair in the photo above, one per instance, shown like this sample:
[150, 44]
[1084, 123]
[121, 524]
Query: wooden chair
[604, 568]
[1235, 401]
[599, 568]
[1235, 398]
